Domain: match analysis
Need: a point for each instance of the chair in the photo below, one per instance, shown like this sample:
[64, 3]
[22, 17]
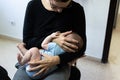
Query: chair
[75, 73]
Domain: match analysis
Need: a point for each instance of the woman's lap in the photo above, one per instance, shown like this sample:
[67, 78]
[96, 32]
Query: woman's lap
[21, 74]
[60, 74]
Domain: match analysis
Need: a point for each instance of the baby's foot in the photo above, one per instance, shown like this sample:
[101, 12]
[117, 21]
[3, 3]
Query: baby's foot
[21, 47]
[19, 58]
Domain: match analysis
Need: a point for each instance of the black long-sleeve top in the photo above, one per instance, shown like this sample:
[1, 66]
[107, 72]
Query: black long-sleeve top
[40, 22]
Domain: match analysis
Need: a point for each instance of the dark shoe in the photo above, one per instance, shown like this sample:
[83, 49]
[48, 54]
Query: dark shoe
[17, 65]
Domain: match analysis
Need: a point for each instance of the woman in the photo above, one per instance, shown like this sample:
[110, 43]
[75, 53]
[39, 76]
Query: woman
[44, 17]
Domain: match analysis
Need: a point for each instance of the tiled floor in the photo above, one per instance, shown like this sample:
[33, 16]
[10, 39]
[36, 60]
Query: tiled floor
[8, 52]
[91, 68]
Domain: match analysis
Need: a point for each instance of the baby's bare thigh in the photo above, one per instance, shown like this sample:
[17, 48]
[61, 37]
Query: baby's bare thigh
[35, 54]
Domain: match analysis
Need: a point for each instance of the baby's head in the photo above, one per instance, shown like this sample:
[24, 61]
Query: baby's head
[76, 37]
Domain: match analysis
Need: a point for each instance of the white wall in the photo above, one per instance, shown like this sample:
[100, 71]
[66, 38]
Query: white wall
[12, 17]
[96, 12]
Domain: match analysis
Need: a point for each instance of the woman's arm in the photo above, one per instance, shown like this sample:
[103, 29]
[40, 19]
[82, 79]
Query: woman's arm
[79, 27]
[72, 47]
[28, 29]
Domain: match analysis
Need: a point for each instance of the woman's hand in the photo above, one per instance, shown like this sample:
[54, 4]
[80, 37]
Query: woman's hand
[45, 64]
[67, 44]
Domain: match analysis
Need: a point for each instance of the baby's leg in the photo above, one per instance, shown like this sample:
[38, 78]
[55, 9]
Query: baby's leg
[23, 59]
[31, 55]
[35, 54]
[19, 58]
[21, 47]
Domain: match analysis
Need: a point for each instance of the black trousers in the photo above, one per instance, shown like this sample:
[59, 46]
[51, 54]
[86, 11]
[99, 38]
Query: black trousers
[74, 75]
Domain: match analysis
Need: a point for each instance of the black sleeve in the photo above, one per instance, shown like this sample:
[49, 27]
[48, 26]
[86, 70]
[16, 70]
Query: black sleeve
[28, 36]
[79, 28]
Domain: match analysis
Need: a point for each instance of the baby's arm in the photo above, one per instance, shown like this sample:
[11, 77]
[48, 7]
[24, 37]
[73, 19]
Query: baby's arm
[48, 39]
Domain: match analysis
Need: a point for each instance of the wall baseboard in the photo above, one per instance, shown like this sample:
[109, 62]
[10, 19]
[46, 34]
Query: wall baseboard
[10, 38]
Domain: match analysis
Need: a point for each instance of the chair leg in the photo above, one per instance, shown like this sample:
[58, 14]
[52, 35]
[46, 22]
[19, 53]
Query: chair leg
[75, 73]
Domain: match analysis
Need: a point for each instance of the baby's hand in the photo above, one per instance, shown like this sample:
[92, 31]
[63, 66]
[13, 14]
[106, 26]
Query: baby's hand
[55, 34]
